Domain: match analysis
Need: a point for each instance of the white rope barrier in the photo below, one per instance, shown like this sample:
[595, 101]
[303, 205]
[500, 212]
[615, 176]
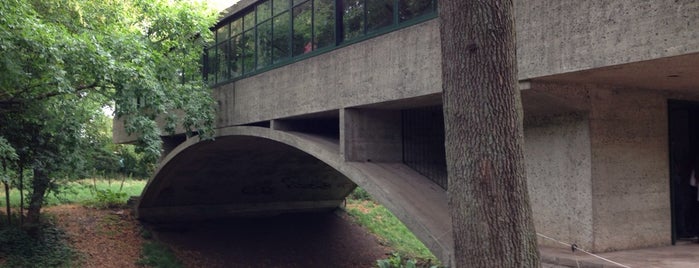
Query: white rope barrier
[573, 246]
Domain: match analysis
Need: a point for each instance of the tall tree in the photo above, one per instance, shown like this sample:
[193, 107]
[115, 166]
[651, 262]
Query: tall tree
[60, 60]
[488, 199]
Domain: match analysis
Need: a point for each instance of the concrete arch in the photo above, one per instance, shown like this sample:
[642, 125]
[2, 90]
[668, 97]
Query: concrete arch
[175, 193]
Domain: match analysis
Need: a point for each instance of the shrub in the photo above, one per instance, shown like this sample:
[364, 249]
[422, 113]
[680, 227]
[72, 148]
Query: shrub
[109, 199]
[359, 194]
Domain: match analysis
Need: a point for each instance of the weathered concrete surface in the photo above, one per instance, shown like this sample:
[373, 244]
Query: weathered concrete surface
[612, 194]
[555, 37]
[371, 135]
[683, 255]
[630, 169]
[255, 170]
[621, 176]
[641, 44]
[372, 71]
[558, 162]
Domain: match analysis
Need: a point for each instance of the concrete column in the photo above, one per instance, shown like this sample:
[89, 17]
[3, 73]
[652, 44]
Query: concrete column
[371, 135]
[630, 169]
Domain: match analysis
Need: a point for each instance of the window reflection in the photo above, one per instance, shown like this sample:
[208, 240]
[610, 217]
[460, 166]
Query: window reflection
[353, 18]
[274, 31]
[281, 37]
[414, 8]
[379, 14]
[302, 17]
[324, 23]
[236, 64]
[264, 44]
[248, 51]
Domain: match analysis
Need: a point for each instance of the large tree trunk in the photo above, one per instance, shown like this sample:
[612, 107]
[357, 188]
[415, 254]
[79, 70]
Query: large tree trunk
[7, 203]
[7, 194]
[40, 183]
[488, 199]
[21, 195]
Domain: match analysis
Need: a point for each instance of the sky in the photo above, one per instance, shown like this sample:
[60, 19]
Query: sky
[221, 4]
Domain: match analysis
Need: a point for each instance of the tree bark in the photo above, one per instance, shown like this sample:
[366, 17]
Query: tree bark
[40, 183]
[7, 203]
[7, 194]
[21, 195]
[488, 197]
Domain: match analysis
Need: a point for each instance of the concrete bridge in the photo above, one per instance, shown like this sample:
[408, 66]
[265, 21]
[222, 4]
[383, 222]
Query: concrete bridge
[599, 83]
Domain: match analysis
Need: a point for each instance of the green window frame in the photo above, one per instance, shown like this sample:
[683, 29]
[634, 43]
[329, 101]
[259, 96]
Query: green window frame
[273, 33]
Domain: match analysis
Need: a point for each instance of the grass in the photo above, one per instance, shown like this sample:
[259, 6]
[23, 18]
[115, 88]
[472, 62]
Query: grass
[378, 220]
[93, 193]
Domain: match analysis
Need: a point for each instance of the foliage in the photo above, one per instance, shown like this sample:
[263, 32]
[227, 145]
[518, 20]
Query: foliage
[395, 261]
[47, 249]
[155, 254]
[133, 163]
[359, 194]
[378, 220]
[109, 199]
[83, 192]
[62, 61]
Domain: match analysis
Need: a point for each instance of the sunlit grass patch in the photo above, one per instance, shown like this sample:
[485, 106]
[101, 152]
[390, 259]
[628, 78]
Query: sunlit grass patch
[378, 220]
[89, 192]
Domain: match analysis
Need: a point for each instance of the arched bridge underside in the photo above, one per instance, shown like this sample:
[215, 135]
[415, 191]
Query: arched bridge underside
[253, 171]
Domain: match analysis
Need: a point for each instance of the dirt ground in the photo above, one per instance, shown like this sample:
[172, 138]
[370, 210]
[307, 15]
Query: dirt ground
[105, 238]
[111, 238]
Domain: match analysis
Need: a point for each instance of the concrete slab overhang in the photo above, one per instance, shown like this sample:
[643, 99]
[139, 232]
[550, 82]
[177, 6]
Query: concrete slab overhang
[256, 171]
[677, 74]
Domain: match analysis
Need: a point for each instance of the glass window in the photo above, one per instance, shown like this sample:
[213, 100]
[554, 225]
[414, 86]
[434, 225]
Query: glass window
[272, 31]
[211, 64]
[280, 6]
[237, 49]
[222, 34]
[324, 23]
[248, 51]
[223, 56]
[414, 8]
[302, 29]
[236, 27]
[264, 44]
[353, 18]
[281, 37]
[249, 21]
[379, 14]
[264, 11]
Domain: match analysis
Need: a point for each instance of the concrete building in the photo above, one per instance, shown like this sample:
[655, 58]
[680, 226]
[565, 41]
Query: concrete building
[318, 97]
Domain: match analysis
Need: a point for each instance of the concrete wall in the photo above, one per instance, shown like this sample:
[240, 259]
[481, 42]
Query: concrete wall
[553, 37]
[557, 156]
[570, 35]
[371, 135]
[397, 65]
[630, 169]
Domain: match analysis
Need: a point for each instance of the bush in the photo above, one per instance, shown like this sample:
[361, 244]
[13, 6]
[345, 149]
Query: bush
[395, 261]
[110, 199]
[359, 194]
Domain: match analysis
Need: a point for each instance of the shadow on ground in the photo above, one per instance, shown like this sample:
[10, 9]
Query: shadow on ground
[298, 240]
